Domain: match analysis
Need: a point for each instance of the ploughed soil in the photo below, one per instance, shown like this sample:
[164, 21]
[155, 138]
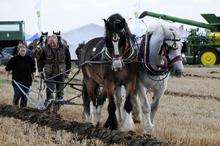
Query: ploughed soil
[84, 130]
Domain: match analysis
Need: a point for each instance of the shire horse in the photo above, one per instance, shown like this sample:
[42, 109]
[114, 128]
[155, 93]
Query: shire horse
[160, 53]
[108, 64]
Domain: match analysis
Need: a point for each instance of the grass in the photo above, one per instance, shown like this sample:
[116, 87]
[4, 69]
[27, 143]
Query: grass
[181, 120]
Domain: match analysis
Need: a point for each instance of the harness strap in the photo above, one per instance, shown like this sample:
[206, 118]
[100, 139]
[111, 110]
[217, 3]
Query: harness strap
[175, 59]
[95, 56]
[147, 64]
[134, 53]
[132, 56]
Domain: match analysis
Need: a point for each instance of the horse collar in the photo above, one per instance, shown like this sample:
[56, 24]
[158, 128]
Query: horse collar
[147, 65]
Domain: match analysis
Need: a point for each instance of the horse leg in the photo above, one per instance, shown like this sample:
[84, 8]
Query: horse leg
[91, 88]
[100, 101]
[111, 121]
[155, 103]
[128, 123]
[119, 97]
[86, 103]
[146, 108]
[36, 66]
[136, 109]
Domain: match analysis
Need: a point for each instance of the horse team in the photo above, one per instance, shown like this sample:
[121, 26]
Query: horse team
[117, 68]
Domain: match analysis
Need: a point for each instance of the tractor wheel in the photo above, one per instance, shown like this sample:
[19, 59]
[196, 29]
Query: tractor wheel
[209, 57]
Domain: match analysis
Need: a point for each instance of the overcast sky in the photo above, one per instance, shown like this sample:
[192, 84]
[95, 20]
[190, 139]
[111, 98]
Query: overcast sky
[65, 15]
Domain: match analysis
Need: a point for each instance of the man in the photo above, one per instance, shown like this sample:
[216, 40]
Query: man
[23, 68]
[54, 61]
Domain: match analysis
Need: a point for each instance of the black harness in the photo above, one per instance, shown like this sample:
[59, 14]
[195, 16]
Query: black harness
[101, 54]
[146, 66]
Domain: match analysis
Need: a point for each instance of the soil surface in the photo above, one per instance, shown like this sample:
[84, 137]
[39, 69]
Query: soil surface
[84, 130]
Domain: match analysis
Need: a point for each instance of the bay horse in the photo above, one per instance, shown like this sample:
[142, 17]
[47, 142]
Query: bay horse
[60, 39]
[160, 53]
[108, 63]
[36, 47]
[38, 44]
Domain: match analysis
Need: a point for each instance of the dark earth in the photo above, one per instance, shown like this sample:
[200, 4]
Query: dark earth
[84, 130]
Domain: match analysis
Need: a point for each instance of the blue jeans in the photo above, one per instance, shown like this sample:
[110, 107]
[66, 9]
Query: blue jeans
[19, 95]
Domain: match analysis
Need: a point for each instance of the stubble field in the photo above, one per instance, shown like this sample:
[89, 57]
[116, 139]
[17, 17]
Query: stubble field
[189, 114]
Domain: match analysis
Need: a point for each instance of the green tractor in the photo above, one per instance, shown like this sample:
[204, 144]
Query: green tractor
[198, 48]
[11, 33]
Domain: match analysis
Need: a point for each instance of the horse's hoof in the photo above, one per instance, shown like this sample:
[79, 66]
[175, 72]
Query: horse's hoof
[147, 135]
[106, 126]
[113, 128]
[98, 125]
[110, 127]
[136, 121]
[148, 131]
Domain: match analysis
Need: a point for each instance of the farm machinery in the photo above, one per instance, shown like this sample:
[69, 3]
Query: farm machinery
[198, 48]
[11, 33]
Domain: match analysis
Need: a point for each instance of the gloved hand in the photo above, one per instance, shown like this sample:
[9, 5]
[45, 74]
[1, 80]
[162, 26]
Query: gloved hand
[33, 76]
[66, 75]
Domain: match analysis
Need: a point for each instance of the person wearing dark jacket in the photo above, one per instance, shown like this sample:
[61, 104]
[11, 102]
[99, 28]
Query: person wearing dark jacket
[55, 61]
[23, 68]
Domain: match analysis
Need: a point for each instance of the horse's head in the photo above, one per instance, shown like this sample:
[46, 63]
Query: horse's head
[162, 51]
[58, 34]
[39, 43]
[118, 40]
[60, 39]
[171, 49]
[43, 38]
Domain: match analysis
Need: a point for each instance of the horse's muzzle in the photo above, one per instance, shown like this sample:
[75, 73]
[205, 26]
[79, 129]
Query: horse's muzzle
[117, 64]
[177, 73]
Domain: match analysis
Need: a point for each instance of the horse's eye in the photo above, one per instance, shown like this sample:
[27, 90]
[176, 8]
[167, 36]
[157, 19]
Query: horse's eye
[174, 47]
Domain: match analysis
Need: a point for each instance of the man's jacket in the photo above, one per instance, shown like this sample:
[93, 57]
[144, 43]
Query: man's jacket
[54, 60]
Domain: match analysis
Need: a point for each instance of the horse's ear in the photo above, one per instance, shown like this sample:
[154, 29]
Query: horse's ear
[44, 33]
[123, 21]
[107, 25]
[59, 33]
[105, 21]
[54, 32]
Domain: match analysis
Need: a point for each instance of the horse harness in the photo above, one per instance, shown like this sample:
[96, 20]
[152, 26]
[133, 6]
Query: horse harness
[164, 52]
[105, 58]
